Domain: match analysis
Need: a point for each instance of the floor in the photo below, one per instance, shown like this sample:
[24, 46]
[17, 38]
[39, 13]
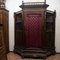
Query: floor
[13, 56]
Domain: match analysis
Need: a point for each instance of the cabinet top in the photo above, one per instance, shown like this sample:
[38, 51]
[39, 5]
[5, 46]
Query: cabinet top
[34, 5]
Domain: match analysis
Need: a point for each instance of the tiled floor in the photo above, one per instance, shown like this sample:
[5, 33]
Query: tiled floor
[12, 56]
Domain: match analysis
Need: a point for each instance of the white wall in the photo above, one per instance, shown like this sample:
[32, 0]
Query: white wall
[13, 6]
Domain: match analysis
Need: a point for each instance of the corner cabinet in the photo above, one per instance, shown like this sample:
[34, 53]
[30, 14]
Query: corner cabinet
[34, 30]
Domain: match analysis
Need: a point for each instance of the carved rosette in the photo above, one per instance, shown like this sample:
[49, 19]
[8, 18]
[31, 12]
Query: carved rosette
[2, 3]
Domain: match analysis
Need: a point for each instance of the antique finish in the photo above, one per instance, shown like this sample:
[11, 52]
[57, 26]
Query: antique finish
[34, 30]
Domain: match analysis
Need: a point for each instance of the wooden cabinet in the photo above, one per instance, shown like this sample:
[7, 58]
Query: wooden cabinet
[4, 41]
[34, 30]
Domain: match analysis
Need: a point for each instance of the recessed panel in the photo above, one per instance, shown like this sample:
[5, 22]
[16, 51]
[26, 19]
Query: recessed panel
[34, 30]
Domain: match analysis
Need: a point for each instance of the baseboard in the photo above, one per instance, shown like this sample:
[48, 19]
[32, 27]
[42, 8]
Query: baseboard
[57, 52]
[11, 51]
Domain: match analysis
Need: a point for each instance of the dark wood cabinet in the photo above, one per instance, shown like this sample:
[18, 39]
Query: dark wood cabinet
[34, 30]
[4, 41]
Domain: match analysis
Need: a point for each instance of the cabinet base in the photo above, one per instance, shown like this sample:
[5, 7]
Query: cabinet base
[34, 53]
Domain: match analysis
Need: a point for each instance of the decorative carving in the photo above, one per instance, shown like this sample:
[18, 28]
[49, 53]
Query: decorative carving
[2, 3]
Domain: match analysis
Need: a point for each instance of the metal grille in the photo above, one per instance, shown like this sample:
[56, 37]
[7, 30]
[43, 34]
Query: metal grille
[33, 3]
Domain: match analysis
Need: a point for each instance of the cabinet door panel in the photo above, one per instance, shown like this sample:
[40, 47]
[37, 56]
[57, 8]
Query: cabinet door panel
[0, 18]
[33, 30]
[2, 46]
[1, 37]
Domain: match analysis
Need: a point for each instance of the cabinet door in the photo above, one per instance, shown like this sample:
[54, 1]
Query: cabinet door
[50, 31]
[18, 31]
[6, 30]
[4, 23]
[33, 24]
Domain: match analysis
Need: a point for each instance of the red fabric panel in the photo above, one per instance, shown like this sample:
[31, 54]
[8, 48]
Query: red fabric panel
[33, 30]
